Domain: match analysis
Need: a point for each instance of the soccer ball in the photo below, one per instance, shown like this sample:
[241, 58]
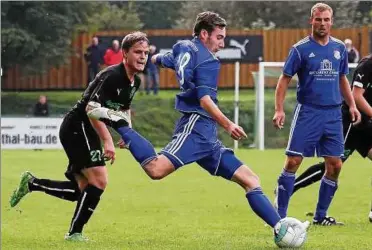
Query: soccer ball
[290, 232]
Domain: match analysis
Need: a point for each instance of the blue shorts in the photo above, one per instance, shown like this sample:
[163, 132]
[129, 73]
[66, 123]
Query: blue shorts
[316, 131]
[195, 140]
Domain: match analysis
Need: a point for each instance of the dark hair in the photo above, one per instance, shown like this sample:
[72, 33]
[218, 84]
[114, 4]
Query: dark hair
[130, 39]
[208, 21]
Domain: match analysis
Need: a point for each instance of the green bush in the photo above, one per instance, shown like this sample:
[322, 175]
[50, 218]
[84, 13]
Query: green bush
[155, 117]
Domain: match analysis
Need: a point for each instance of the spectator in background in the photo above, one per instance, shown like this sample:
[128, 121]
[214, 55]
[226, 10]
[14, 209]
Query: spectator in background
[41, 107]
[352, 52]
[94, 58]
[113, 55]
[152, 73]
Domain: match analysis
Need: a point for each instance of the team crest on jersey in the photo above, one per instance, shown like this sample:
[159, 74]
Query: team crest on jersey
[337, 54]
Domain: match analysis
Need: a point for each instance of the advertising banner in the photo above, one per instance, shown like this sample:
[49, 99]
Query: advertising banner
[245, 49]
[30, 133]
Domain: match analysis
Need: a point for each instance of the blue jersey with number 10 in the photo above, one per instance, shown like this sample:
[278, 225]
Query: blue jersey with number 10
[319, 69]
[197, 72]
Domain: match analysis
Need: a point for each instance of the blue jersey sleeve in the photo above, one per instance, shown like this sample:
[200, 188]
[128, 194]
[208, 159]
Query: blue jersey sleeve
[344, 65]
[165, 60]
[206, 79]
[293, 62]
[184, 67]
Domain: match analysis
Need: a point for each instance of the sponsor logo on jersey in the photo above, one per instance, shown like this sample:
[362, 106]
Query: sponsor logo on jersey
[325, 71]
[113, 105]
[326, 65]
[360, 76]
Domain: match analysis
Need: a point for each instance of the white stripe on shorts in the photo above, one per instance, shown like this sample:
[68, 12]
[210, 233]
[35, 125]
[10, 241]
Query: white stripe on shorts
[185, 128]
[85, 135]
[293, 125]
[186, 131]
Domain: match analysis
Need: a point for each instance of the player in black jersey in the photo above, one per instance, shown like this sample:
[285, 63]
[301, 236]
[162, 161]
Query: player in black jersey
[112, 89]
[358, 137]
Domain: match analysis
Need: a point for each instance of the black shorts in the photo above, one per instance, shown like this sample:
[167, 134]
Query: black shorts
[81, 144]
[357, 138]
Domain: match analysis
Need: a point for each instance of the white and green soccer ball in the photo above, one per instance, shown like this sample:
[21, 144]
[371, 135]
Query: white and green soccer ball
[290, 232]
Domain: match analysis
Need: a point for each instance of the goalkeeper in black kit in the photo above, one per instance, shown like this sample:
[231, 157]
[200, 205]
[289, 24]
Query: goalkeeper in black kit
[357, 137]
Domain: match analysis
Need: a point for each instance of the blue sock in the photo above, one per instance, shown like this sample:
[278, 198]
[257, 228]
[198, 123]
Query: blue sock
[142, 150]
[285, 189]
[326, 192]
[262, 206]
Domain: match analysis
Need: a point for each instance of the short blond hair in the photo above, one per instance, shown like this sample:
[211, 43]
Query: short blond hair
[321, 7]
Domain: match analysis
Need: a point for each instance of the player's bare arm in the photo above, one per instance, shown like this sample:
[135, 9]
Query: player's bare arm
[361, 102]
[104, 134]
[348, 96]
[235, 131]
[280, 92]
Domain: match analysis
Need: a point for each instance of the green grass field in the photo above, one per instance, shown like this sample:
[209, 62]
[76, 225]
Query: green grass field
[73, 96]
[187, 210]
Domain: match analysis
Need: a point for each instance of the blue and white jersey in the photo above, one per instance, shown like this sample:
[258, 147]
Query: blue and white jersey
[197, 72]
[319, 69]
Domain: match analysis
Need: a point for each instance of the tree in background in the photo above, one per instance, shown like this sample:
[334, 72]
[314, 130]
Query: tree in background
[270, 15]
[38, 35]
[158, 15]
[114, 16]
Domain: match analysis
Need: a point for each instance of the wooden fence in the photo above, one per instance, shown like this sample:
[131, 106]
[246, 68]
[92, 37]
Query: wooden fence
[74, 74]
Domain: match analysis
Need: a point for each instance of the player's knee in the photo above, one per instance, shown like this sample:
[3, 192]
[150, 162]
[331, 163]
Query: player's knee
[155, 173]
[100, 182]
[246, 178]
[337, 169]
[292, 163]
[82, 184]
[253, 182]
[158, 168]
[333, 168]
[250, 182]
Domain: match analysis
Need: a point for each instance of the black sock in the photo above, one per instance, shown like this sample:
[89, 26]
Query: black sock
[88, 201]
[66, 190]
[311, 175]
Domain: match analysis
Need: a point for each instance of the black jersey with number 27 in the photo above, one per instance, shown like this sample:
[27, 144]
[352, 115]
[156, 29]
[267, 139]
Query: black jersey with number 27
[111, 88]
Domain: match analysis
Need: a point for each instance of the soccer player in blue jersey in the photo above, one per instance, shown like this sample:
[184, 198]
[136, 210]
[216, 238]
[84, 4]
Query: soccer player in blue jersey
[195, 136]
[357, 138]
[320, 62]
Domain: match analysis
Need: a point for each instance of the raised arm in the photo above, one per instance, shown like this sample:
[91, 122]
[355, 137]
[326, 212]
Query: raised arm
[164, 60]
